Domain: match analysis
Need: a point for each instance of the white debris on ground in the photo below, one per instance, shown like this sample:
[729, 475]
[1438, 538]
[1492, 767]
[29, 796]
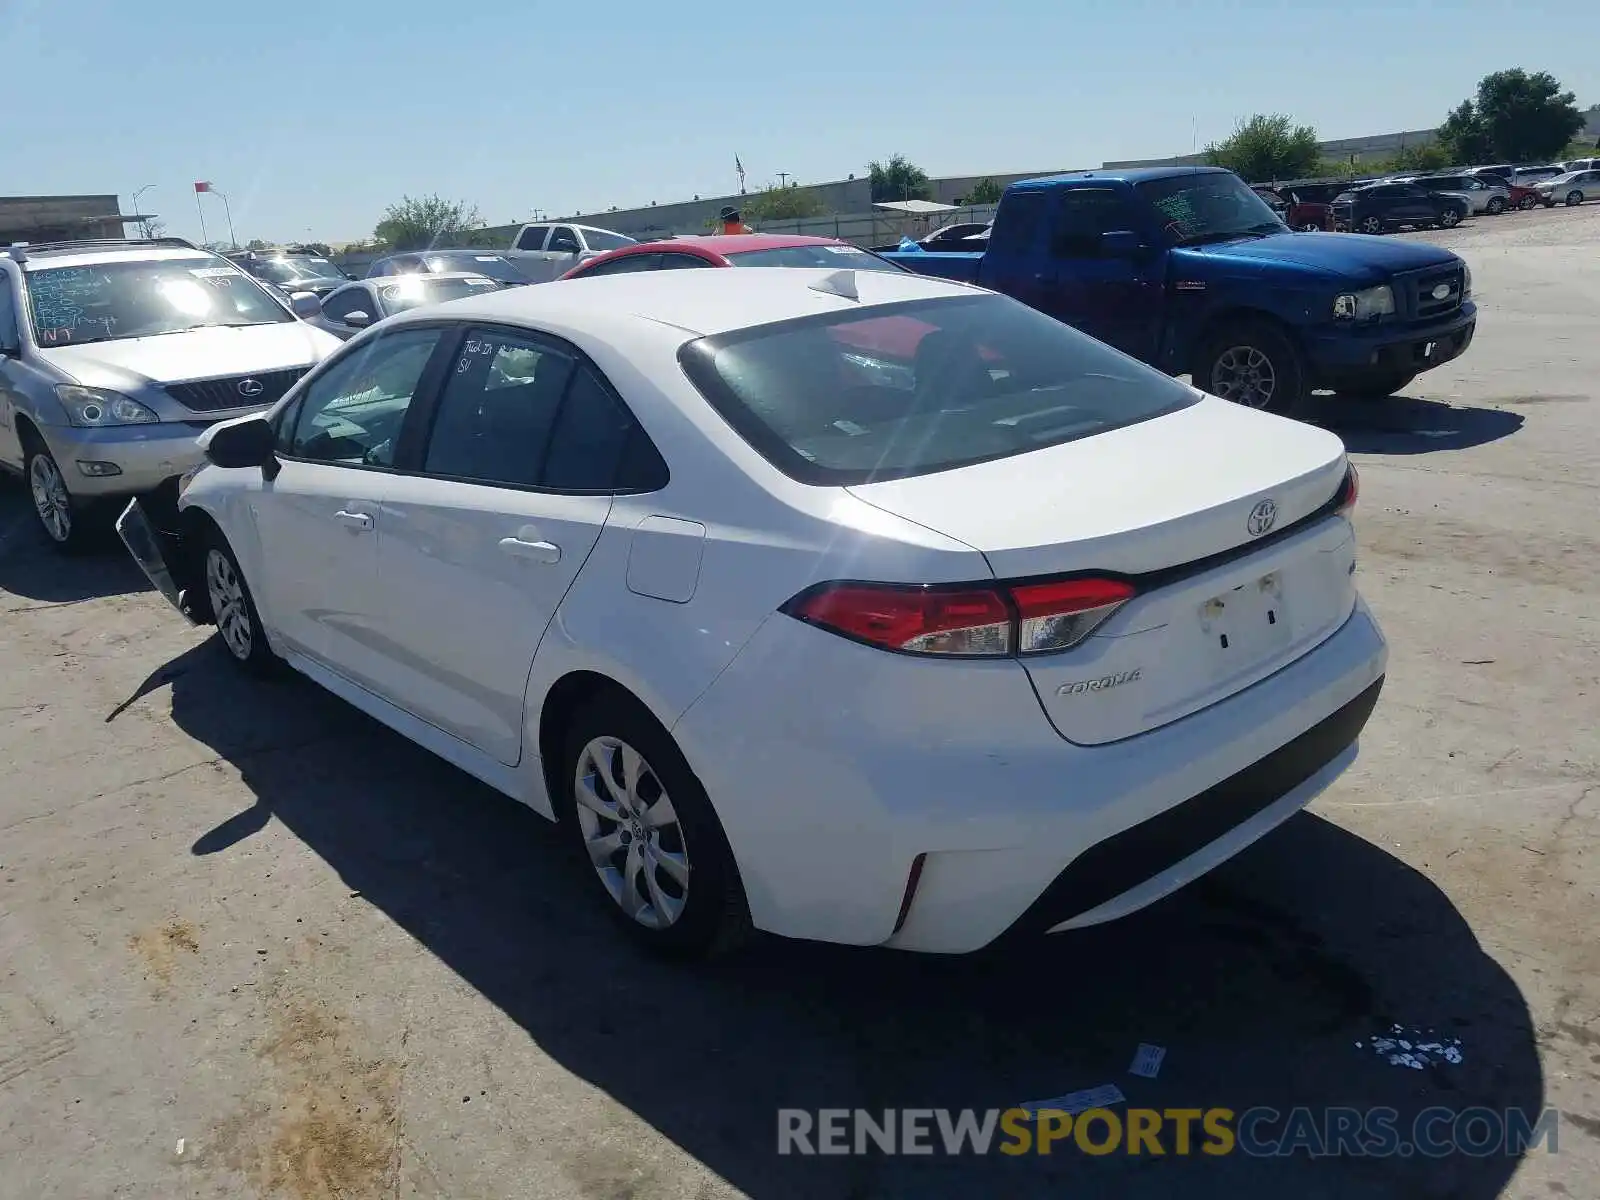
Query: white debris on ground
[1414, 1048]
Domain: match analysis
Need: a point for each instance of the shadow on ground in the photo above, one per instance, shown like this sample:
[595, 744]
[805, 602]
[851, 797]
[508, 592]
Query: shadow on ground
[1260, 981]
[34, 570]
[1404, 425]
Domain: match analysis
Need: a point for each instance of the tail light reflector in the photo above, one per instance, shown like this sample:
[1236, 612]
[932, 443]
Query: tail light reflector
[1348, 491]
[984, 620]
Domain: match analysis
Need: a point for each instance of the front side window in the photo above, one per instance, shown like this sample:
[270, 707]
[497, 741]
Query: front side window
[909, 389]
[834, 257]
[9, 339]
[352, 412]
[346, 301]
[413, 291]
[497, 410]
[628, 264]
[110, 301]
[600, 239]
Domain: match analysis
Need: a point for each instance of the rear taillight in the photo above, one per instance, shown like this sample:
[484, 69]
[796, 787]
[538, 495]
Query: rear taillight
[1348, 491]
[981, 620]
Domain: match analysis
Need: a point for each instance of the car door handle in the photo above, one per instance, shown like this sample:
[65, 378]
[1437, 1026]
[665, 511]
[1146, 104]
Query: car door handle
[545, 552]
[356, 520]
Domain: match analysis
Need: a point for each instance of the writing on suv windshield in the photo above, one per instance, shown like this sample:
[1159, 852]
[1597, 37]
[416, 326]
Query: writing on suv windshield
[1206, 207]
[111, 301]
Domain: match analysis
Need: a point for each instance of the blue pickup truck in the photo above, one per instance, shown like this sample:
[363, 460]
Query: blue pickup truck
[1188, 269]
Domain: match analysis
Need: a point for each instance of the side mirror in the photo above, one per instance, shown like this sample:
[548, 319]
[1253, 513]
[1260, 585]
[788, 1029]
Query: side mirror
[246, 444]
[357, 319]
[1121, 243]
[305, 305]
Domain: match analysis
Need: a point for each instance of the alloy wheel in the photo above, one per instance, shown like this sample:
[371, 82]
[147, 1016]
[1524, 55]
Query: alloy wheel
[50, 498]
[1245, 376]
[631, 832]
[1372, 225]
[1574, 198]
[227, 603]
[1449, 218]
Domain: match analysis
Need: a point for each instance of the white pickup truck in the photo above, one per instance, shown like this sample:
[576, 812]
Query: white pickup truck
[549, 249]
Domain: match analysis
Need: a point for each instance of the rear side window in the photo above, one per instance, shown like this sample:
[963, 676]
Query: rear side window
[909, 389]
[497, 410]
[1085, 214]
[1017, 223]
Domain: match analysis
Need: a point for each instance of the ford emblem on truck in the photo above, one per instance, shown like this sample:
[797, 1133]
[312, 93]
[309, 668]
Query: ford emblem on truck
[1262, 518]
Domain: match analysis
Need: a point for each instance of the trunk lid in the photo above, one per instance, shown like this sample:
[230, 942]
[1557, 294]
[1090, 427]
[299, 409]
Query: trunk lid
[1177, 501]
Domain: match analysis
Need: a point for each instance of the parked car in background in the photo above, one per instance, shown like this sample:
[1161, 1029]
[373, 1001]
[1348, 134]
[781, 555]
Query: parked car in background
[1187, 269]
[356, 306]
[290, 270]
[1581, 164]
[115, 355]
[1308, 216]
[548, 250]
[946, 236]
[1484, 193]
[1572, 188]
[1500, 169]
[790, 635]
[490, 263]
[1380, 207]
[732, 250]
[1518, 195]
[1528, 176]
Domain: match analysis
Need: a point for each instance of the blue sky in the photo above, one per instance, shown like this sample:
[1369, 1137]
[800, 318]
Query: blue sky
[312, 116]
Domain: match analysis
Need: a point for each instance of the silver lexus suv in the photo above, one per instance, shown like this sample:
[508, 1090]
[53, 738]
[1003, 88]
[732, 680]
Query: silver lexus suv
[115, 355]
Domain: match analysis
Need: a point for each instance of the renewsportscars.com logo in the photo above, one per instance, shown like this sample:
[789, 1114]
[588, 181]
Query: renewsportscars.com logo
[1258, 1132]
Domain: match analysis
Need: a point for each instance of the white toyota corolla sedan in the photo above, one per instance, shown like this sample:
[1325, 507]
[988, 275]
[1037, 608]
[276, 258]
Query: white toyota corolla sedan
[856, 606]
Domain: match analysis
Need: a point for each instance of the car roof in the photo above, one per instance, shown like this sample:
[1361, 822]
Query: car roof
[699, 303]
[1116, 175]
[96, 257]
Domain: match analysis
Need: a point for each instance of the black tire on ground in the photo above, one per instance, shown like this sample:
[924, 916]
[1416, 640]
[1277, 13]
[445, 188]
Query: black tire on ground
[1372, 224]
[1496, 206]
[715, 919]
[1311, 227]
[238, 621]
[70, 525]
[1375, 387]
[1449, 219]
[1528, 203]
[1574, 198]
[1230, 352]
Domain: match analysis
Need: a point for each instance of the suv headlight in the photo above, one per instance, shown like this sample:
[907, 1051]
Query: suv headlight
[95, 407]
[1360, 306]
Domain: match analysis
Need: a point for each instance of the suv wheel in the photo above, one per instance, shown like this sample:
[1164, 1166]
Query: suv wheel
[1528, 203]
[1449, 219]
[64, 522]
[1496, 206]
[1574, 198]
[1254, 364]
[1372, 224]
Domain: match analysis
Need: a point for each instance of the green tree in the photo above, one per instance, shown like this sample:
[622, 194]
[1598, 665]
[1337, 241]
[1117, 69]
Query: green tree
[1268, 146]
[985, 191]
[257, 244]
[413, 224]
[1514, 115]
[1417, 158]
[897, 179]
[791, 203]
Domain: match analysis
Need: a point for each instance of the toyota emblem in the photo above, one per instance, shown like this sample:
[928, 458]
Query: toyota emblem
[1262, 517]
[251, 387]
[1440, 291]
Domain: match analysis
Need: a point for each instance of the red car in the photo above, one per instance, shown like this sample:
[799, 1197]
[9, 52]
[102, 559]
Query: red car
[1297, 211]
[732, 250]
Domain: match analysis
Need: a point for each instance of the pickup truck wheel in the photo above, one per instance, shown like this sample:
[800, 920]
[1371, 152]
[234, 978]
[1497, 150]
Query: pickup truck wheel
[1256, 365]
[1496, 206]
[1372, 224]
[1449, 219]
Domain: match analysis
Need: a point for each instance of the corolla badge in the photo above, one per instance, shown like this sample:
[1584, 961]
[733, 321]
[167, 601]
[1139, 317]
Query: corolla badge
[1262, 518]
[1441, 291]
[251, 387]
[1104, 683]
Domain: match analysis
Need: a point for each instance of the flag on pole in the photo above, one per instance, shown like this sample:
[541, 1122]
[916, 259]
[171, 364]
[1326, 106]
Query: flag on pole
[739, 167]
[202, 185]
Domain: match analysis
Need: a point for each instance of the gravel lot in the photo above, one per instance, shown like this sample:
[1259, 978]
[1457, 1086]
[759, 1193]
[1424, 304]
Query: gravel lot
[246, 921]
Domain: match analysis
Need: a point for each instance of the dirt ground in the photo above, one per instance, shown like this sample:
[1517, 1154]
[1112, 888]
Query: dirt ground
[253, 944]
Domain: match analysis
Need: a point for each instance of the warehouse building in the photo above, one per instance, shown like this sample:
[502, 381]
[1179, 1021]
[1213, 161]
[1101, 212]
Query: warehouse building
[56, 218]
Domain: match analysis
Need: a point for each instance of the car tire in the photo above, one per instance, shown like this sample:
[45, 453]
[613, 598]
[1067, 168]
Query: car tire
[1310, 227]
[1239, 359]
[233, 608]
[1528, 203]
[68, 523]
[1376, 386]
[1449, 219]
[1495, 207]
[667, 876]
[1574, 198]
[1372, 224]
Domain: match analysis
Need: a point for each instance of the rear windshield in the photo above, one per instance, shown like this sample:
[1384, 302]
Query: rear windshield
[492, 265]
[910, 389]
[812, 256]
[413, 291]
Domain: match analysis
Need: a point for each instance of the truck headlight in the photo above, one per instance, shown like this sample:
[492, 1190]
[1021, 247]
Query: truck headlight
[1360, 306]
[95, 407]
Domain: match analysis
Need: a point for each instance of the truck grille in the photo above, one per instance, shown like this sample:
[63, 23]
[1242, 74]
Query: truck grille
[214, 395]
[1419, 288]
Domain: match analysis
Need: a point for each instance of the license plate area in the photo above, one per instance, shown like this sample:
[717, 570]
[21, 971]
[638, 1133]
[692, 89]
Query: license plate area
[1247, 623]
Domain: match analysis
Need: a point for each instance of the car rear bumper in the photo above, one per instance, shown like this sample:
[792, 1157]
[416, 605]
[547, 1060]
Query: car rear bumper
[1382, 349]
[829, 799]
